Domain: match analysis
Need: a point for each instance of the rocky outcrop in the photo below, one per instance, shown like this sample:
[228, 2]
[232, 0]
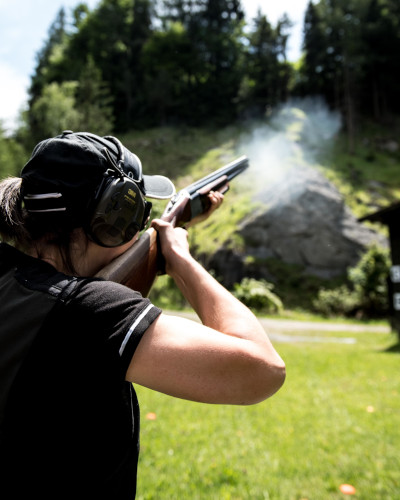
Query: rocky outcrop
[303, 218]
[306, 222]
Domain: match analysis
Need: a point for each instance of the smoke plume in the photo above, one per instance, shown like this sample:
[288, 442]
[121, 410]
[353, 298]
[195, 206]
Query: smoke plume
[287, 147]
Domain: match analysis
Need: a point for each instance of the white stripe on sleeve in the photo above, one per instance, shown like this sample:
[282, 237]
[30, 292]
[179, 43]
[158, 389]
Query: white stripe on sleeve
[133, 327]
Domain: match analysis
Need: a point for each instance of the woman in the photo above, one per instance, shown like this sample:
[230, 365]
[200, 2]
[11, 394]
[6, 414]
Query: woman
[71, 344]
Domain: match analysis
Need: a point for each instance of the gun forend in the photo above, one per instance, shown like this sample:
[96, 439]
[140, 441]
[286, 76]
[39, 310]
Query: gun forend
[231, 170]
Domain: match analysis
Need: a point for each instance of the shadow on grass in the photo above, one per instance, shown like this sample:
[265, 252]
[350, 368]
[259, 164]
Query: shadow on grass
[395, 348]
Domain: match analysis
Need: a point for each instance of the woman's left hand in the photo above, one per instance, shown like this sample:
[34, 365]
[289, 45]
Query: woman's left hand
[216, 199]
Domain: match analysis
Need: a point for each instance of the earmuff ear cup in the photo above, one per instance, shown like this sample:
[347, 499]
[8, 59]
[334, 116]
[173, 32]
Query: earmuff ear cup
[120, 212]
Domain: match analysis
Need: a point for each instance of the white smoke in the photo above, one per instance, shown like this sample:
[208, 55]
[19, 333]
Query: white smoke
[290, 142]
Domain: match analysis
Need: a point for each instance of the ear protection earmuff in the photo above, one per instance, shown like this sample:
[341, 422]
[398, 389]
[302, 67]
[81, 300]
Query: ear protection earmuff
[119, 209]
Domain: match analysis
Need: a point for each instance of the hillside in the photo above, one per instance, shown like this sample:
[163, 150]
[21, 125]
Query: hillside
[368, 179]
[301, 133]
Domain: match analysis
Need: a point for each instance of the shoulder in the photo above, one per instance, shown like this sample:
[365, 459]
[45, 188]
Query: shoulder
[104, 295]
[111, 317]
[112, 306]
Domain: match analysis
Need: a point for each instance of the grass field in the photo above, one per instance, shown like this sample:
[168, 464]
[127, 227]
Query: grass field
[336, 421]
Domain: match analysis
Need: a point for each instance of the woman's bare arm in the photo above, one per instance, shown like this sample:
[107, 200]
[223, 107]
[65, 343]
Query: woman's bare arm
[227, 359]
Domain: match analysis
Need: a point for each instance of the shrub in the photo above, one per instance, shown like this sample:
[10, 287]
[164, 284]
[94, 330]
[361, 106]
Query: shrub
[366, 295]
[166, 295]
[369, 280]
[12, 155]
[340, 301]
[258, 295]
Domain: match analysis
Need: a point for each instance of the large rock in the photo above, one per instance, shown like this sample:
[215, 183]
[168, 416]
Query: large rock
[303, 219]
[307, 223]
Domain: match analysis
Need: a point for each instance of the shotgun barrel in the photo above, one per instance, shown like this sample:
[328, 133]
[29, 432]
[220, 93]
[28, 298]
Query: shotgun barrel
[194, 197]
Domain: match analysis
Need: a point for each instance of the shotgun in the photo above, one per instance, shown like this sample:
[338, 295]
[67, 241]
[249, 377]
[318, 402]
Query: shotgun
[139, 266]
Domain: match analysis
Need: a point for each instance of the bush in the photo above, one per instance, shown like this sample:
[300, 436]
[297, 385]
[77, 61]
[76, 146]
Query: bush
[166, 295]
[366, 295]
[258, 295]
[340, 301]
[369, 280]
[12, 155]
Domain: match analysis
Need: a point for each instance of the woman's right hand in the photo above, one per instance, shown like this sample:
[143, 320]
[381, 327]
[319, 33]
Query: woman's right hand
[174, 245]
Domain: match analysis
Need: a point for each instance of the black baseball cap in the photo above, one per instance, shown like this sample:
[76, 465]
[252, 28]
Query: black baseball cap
[65, 172]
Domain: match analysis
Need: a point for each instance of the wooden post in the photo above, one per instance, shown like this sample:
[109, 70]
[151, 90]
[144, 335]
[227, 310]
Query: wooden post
[390, 217]
[394, 278]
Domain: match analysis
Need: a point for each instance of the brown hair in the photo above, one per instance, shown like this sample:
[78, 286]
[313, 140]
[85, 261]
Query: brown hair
[24, 230]
[12, 215]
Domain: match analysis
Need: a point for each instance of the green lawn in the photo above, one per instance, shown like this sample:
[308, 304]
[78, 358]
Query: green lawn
[336, 421]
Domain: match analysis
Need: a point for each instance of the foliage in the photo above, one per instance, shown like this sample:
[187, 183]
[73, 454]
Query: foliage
[168, 87]
[368, 177]
[74, 105]
[369, 280]
[267, 73]
[55, 110]
[93, 101]
[185, 65]
[199, 62]
[366, 295]
[340, 301]
[12, 156]
[45, 58]
[349, 50]
[258, 295]
[334, 421]
[166, 295]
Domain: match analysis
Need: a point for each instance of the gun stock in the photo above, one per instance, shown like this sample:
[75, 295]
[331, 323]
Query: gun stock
[139, 266]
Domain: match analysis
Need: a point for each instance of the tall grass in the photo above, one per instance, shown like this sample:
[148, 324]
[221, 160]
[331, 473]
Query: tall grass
[335, 421]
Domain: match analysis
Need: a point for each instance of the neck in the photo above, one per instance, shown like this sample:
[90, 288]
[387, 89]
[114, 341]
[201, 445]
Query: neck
[87, 257]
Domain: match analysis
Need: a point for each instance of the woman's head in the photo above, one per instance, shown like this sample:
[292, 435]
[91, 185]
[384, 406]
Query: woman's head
[79, 180]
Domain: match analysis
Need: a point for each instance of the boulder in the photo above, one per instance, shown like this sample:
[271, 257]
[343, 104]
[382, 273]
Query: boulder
[305, 222]
[303, 218]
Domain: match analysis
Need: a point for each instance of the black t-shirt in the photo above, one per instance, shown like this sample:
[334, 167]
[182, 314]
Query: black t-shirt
[69, 422]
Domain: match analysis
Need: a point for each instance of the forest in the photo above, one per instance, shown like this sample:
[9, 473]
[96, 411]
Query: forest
[137, 64]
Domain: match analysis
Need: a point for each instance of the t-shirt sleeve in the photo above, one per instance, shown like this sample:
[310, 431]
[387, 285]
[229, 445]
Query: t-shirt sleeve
[115, 318]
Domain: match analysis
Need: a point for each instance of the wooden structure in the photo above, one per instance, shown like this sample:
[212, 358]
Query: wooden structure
[390, 216]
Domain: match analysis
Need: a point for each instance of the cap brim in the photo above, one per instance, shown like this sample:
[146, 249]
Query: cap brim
[158, 187]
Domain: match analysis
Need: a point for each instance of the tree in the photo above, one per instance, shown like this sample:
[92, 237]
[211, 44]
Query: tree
[217, 30]
[313, 69]
[104, 36]
[267, 72]
[189, 69]
[55, 111]
[194, 70]
[44, 72]
[112, 35]
[351, 49]
[140, 32]
[12, 155]
[56, 39]
[93, 101]
[169, 66]
[381, 41]
[333, 61]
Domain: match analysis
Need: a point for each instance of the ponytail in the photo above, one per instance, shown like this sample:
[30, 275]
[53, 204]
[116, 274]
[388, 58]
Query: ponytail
[12, 214]
[23, 230]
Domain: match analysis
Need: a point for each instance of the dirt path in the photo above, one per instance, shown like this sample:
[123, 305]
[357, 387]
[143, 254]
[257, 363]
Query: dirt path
[288, 331]
[283, 324]
[283, 330]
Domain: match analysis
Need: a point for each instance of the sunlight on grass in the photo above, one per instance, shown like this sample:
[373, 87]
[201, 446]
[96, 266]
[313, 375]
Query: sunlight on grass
[335, 421]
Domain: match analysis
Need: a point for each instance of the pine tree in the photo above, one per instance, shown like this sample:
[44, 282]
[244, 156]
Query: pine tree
[93, 101]
[56, 39]
[266, 69]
